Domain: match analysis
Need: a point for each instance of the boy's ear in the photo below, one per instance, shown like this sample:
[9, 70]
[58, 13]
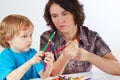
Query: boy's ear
[9, 40]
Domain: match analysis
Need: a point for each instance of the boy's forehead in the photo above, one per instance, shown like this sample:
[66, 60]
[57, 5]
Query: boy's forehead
[25, 27]
[29, 30]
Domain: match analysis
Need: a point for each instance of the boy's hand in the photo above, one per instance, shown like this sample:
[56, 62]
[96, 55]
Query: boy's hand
[48, 58]
[36, 58]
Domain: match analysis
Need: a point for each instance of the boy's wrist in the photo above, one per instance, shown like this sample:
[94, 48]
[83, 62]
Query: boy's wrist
[30, 62]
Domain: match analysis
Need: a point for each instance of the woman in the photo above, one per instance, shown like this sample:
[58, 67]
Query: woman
[66, 18]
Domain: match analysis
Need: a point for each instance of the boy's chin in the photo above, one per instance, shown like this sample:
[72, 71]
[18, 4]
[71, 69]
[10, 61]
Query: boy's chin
[27, 49]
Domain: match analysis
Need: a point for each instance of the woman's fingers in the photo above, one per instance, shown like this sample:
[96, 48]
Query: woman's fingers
[71, 50]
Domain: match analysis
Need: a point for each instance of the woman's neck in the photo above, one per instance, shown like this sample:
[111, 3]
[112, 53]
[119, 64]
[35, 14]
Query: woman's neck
[71, 35]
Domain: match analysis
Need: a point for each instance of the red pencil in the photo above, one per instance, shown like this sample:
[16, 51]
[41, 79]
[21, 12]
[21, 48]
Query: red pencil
[48, 49]
[61, 49]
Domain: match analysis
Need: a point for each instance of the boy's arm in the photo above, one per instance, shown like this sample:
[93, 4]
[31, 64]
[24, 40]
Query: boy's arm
[18, 73]
[46, 73]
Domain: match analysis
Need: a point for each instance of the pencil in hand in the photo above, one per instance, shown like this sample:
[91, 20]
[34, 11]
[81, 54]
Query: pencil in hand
[61, 49]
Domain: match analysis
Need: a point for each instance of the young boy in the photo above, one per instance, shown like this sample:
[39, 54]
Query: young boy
[18, 61]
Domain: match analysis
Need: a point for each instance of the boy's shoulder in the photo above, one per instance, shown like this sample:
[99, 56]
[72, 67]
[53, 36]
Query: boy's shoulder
[33, 50]
[5, 50]
[5, 54]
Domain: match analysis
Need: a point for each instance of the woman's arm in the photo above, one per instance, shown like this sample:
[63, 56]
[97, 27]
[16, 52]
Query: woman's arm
[108, 63]
[68, 53]
[59, 65]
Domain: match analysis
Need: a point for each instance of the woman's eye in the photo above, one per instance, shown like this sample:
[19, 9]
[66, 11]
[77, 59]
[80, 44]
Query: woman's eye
[65, 13]
[53, 16]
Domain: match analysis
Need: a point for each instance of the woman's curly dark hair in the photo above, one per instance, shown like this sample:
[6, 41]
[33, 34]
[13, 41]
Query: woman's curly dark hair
[72, 6]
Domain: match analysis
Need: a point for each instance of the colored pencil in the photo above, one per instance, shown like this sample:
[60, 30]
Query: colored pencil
[48, 46]
[61, 49]
[51, 37]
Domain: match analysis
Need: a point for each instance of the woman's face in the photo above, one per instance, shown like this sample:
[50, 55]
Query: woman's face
[62, 19]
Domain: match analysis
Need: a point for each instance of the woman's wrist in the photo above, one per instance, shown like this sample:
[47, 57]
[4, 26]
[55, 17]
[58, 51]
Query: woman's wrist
[89, 56]
[66, 58]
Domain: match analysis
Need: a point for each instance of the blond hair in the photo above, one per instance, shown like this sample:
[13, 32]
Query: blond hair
[10, 26]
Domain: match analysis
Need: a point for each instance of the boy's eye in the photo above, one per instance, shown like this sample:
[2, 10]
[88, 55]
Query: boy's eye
[31, 35]
[24, 36]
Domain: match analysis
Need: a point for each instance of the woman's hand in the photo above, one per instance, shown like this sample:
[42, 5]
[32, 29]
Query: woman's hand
[71, 50]
[82, 55]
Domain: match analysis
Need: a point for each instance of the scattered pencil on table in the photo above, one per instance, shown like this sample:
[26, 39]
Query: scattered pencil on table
[71, 78]
[88, 79]
[80, 78]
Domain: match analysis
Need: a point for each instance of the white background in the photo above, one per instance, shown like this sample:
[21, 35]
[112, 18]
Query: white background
[102, 16]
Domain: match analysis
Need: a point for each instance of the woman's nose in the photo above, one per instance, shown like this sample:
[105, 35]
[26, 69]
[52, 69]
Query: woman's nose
[61, 19]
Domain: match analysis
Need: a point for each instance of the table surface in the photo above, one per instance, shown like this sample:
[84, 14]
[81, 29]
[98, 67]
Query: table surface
[94, 75]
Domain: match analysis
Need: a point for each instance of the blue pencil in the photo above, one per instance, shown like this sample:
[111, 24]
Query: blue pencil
[51, 47]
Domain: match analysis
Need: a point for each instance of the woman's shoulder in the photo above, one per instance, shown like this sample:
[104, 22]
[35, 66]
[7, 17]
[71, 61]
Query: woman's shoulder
[88, 31]
[48, 32]
[91, 35]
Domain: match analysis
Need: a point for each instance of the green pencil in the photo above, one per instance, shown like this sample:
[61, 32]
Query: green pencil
[51, 37]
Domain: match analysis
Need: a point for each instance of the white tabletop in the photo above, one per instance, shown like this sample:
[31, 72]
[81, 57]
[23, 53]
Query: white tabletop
[94, 75]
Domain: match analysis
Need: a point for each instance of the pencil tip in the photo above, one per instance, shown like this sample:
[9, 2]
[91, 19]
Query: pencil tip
[54, 32]
[78, 39]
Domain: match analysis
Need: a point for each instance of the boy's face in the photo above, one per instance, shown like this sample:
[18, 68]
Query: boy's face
[23, 41]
